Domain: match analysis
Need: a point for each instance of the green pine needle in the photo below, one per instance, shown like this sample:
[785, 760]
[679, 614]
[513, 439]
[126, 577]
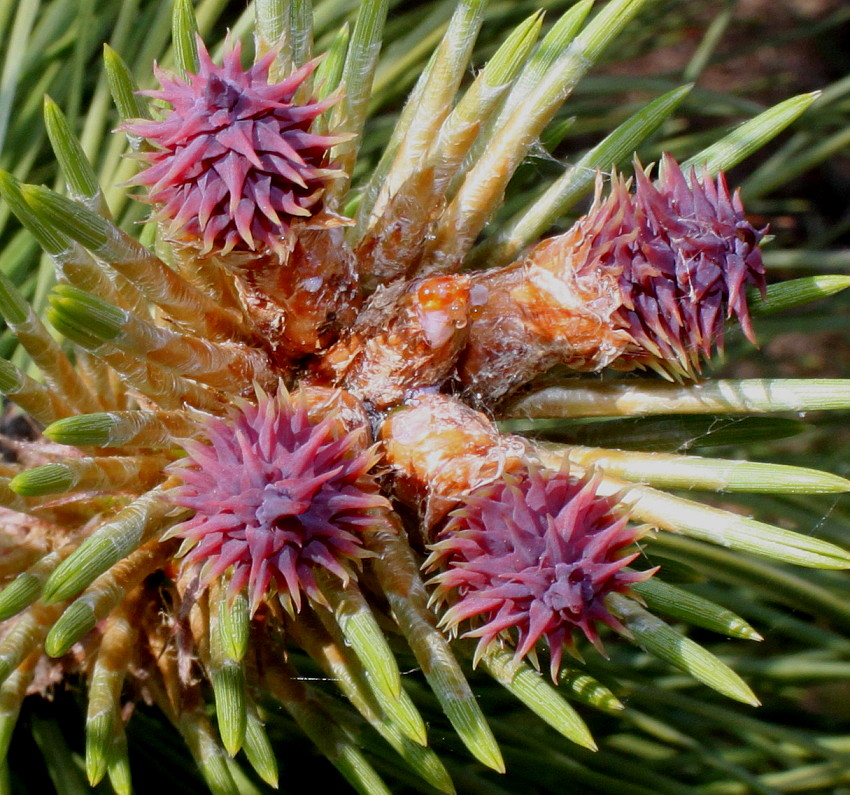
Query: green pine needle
[666, 643]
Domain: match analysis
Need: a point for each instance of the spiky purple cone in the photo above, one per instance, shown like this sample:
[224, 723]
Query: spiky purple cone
[235, 161]
[535, 553]
[276, 495]
[682, 253]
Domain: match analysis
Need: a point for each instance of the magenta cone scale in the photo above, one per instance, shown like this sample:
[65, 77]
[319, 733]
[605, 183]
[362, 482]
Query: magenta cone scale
[536, 553]
[235, 162]
[276, 494]
[683, 253]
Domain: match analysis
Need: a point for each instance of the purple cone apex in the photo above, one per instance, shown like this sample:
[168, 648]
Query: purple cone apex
[235, 162]
[277, 494]
[683, 254]
[535, 553]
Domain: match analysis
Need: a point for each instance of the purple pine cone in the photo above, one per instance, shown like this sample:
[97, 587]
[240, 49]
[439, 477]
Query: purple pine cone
[536, 553]
[235, 162]
[277, 494]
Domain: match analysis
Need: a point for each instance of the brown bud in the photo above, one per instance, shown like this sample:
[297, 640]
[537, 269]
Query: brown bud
[394, 243]
[538, 313]
[440, 449]
[407, 338]
[302, 303]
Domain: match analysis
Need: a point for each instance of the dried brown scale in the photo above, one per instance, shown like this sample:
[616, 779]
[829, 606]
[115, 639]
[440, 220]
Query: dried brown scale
[278, 677]
[199, 625]
[31, 525]
[14, 559]
[405, 340]
[438, 449]
[167, 673]
[212, 274]
[348, 412]
[318, 291]
[534, 319]
[298, 306]
[183, 303]
[28, 454]
[395, 241]
[38, 675]
[24, 537]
